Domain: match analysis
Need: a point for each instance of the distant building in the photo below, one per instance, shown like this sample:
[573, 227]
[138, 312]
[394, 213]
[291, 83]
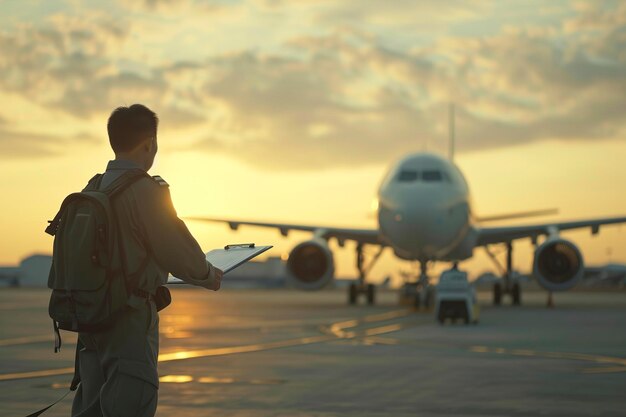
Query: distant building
[32, 272]
[610, 275]
[9, 276]
[486, 278]
[489, 278]
[602, 276]
[270, 273]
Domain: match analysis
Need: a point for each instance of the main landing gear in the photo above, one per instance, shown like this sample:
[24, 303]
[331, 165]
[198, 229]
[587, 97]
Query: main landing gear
[420, 293]
[508, 285]
[369, 290]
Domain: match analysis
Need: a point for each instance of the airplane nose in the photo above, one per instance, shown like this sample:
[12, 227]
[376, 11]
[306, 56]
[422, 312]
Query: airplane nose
[422, 218]
[422, 225]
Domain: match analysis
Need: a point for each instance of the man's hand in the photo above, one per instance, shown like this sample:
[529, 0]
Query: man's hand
[217, 279]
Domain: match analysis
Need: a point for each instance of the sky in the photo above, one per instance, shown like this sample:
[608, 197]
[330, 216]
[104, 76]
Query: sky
[293, 110]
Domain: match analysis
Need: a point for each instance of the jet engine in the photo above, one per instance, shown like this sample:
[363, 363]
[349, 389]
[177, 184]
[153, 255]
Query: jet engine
[558, 265]
[310, 265]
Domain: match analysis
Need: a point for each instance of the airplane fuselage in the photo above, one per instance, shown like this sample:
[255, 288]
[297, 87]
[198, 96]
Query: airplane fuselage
[424, 209]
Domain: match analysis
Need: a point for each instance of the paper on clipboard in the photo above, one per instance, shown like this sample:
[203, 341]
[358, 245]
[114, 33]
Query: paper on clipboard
[229, 258]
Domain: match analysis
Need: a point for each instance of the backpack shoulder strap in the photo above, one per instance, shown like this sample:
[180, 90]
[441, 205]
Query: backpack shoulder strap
[124, 181]
[93, 183]
[116, 188]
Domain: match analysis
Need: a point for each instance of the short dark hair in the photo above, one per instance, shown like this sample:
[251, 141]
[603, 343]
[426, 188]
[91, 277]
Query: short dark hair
[128, 126]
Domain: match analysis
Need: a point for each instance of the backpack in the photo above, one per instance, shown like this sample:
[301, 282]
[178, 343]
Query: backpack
[88, 277]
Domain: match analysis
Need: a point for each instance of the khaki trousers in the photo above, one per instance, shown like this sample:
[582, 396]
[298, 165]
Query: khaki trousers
[118, 367]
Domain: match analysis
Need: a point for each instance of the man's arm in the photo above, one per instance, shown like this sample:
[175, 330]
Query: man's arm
[172, 245]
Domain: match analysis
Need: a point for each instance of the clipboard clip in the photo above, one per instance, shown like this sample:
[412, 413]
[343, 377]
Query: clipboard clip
[239, 245]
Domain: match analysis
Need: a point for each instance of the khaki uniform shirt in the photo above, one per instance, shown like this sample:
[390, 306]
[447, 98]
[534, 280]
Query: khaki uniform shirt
[154, 241]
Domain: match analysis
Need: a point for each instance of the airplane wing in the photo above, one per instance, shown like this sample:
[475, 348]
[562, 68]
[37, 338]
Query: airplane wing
[491, 235]
[518, 215]
[368, 236]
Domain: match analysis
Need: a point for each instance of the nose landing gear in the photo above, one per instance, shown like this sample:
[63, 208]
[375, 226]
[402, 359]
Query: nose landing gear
[420, 293]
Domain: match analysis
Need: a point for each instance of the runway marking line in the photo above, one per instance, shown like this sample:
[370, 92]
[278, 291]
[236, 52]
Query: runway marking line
[26, 340]
[605, 370]
[339, 329]
[190, 354]
[600, 359]
[36, 374]
[383, 340]
[384, 329]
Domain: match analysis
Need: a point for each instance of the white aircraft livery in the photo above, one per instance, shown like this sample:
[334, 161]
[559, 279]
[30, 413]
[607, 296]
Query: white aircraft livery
[424, 214]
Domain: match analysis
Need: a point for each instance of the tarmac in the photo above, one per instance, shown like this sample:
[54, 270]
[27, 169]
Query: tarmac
[289, 353]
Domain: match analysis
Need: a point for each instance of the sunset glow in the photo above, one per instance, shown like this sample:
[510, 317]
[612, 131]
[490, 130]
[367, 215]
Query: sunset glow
[292, 111]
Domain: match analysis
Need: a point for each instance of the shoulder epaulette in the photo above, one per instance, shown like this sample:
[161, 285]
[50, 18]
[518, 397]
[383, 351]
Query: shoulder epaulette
[92, 181]
[160, 181]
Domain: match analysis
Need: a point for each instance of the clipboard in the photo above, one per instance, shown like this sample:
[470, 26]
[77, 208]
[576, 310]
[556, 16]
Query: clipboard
[229, 258]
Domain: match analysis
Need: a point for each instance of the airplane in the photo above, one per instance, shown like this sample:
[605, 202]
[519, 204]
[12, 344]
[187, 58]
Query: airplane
[425, 214]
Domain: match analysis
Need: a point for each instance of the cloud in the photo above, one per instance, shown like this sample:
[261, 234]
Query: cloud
[347, 99]
[210, 7]
[401, 13]
[309, 112]
[159, 3]
[341, 96]
[74, 65]
[14, 144]
[534, 86]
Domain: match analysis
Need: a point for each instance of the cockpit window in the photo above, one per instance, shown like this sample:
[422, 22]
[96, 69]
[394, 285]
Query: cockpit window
[407, 176]
[432, 176]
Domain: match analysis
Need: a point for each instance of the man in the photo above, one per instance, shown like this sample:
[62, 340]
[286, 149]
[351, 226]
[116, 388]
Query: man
[118, 366]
